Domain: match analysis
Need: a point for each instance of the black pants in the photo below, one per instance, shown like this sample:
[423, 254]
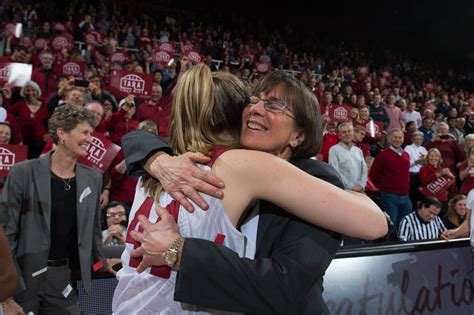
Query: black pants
[52, 292]
[415, 195]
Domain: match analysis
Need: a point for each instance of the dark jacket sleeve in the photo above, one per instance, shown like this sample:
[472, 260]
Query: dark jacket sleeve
[53, 102]
[137, 146]
[285, 277]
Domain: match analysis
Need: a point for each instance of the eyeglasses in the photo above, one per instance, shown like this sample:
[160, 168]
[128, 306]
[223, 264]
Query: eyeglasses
[272, 106]
[115, 214]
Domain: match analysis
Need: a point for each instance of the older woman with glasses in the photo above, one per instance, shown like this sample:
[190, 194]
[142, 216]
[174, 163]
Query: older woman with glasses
[282, 119]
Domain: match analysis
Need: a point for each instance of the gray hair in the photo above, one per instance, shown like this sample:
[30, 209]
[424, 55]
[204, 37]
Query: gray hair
[441, 124]
[339, 127]
[67, 117]
[33, 85]
[416, 133]
[469, 136]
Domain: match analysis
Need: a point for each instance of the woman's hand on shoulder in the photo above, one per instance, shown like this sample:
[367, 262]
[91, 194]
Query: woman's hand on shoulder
[183, 180]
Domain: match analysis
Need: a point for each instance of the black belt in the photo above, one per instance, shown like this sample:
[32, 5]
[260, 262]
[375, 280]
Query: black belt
[57, 262]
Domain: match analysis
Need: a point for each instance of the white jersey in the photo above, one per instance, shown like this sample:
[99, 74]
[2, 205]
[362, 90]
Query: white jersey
[470, 205]
[146, 293]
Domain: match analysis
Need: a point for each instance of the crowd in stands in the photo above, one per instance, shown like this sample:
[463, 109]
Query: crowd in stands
[408, 133]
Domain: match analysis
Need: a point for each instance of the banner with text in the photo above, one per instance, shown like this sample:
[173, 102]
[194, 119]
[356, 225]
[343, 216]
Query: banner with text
[437, 187]
[339, 113]
[10, 154]
[123, 83]
[100, 152]
[70, 68]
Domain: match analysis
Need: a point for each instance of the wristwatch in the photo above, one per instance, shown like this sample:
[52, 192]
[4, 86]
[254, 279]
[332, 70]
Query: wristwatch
[171, 255]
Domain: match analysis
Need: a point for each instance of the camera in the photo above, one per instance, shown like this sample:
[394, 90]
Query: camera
[81, 82]
[444, 137]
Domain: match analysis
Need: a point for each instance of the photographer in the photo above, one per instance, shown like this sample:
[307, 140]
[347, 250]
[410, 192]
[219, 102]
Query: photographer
[72, 90]
[123, 121]
[451, 152]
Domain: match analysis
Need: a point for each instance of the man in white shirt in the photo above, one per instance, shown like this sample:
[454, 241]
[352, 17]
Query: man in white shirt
[348, 160]
[417, 153]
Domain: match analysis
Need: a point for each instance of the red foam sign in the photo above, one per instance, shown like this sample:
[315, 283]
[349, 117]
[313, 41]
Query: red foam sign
[100, 152]
[339, 113]
[123, 83]
[10, 154]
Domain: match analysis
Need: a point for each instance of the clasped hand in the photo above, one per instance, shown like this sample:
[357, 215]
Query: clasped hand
[155, 239]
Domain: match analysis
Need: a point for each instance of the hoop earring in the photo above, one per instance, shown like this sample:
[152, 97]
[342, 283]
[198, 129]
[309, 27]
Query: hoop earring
[63, 142]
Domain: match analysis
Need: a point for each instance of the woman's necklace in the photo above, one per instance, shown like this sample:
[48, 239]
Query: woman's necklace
[67, 186]
[67, 183]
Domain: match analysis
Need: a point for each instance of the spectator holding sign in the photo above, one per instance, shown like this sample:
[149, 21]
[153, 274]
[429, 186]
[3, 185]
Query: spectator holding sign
[433, 170]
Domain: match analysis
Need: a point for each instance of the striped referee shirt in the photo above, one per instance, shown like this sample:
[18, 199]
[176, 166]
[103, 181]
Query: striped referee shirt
[412, 228]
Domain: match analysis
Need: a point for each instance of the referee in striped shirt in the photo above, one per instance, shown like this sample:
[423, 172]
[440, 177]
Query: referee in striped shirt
[422, 224]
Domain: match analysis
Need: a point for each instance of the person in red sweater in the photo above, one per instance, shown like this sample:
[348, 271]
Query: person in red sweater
[122, 186]
[390, 173]
[32, 116]
[431, 171]
[45, 76]
[451, 152]
[19, 54]
[326, 102]
[330, 138]
[466, 173]
[123, 121]
[151, 109]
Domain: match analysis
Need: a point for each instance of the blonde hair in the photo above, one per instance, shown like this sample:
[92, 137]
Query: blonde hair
[434, 150]
[206, 112]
